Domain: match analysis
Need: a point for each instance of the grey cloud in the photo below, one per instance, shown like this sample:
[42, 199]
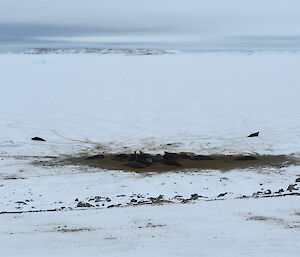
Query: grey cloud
[24, 31]
[23, 35]
[184, 24]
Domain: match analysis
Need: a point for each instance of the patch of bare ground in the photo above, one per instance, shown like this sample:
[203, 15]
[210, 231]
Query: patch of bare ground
[72, 230]
[144, 162]
[12, 178]
[110, 238]
[279, 221]
[293, 226]
[265, 218]
[151, 225]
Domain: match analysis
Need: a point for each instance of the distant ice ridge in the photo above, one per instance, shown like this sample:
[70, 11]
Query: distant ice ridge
[125, 51]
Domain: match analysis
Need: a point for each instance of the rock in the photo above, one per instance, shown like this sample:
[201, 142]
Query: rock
[114, 205]
[136, 165]
[21, 202]
[254, 134]
[202, 158]
[38, 139]
[291, 187]
[82, 204]
[133, 201]
[157, 158]
[221, 195]
[184, 156]
[268, 192]
[143, 155]
[297, 180]
[257, 193]
[137, 157]
[96, 157]
[246, 158]
[156, 199]
[279, 191]
[194, 197]
[171, 162]
[127, 157]
[170, 156]
[100, 199]
[76, 200]
[147, 161]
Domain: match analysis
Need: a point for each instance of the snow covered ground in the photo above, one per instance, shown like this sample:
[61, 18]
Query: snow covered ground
[206, 103]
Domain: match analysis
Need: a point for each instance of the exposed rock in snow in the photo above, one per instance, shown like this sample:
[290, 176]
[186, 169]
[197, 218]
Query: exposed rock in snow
[125, 51]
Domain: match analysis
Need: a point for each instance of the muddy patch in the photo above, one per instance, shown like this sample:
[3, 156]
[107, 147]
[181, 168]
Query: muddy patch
[145, 162]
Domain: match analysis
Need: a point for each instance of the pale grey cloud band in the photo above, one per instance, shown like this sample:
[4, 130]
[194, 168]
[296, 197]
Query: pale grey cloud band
[193, 24]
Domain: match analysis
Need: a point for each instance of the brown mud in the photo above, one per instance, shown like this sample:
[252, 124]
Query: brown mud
[144, 162]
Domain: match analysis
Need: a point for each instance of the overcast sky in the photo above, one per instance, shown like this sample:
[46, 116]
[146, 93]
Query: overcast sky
[177, 23]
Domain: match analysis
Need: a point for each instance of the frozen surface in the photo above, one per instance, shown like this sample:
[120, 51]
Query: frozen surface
[201, 102]
[206, 103]
[206, 229]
